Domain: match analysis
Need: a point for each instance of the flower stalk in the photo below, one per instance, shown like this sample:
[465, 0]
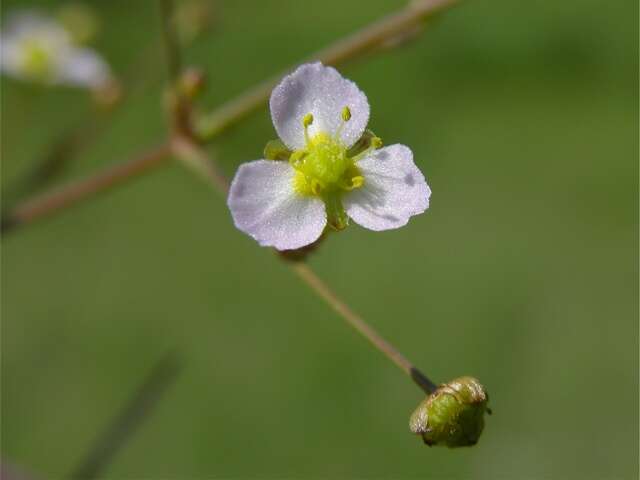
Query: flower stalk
[308, 276]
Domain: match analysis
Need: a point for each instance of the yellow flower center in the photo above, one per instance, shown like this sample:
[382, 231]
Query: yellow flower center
[325, 169]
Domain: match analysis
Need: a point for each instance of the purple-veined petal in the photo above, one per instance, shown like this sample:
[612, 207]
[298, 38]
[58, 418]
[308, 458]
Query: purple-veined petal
[394, 190]
[323, 92]
[265, 205]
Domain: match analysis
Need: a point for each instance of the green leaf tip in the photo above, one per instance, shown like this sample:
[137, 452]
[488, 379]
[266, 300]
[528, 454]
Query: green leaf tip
[453, 415]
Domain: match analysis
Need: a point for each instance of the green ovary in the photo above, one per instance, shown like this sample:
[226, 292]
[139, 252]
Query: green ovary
[324, 169]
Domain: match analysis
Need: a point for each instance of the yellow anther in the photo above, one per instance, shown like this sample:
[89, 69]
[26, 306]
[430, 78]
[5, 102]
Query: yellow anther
[353, 183]
[346, 114]
[376, 142]
[357, 182]
[307, 120]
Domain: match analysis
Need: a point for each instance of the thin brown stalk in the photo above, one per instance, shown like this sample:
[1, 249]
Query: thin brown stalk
[364, 41]
[323, 290]
[171, 45]
[58, 156]
[194, 157]
[52, 202]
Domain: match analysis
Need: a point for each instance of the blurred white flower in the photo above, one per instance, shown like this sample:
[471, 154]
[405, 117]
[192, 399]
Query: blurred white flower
[335, 169]
[36, 48]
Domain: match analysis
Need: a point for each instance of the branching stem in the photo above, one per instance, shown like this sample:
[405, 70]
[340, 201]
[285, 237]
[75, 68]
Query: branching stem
[364, 41]
[52, 202]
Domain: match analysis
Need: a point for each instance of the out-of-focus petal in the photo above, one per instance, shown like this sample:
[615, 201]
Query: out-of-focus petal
[84, 67]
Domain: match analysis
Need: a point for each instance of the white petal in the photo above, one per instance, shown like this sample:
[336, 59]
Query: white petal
[84, 67]
[10, 58]
[323, 92]
[393, 191]
[28, 21]
[264, 204]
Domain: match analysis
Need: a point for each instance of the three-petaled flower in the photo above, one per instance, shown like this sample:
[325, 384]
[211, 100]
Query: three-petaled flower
[37, 48]
[335, 169]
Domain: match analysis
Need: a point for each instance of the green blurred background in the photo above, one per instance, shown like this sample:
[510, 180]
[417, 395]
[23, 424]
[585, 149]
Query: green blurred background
[524, 118]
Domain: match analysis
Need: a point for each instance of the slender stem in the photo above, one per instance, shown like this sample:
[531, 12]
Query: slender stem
[233, 111]
[194, 157]
[197, 159]
[178, 106]
[355, 45]
[64, 148]
[171, 46]
[323, 290]
[126, 422]
[52, 202]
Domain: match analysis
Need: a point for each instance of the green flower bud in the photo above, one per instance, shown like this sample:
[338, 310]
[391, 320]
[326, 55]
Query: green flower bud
[276, 150]
[453, 415]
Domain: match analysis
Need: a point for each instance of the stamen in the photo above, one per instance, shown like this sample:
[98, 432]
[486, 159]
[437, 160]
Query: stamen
[306, 121]
[346, 114]
[323, 166]
[357, 182]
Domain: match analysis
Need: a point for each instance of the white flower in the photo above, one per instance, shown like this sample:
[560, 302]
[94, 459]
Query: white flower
[335, 170]
[36, 48]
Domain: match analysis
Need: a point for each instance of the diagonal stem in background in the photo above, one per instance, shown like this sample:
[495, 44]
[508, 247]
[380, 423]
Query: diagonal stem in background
[307, 275]
[171, 45]
[127, 421]
[355, 45]
[48, 203]
[60, 153]
[364, 41]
